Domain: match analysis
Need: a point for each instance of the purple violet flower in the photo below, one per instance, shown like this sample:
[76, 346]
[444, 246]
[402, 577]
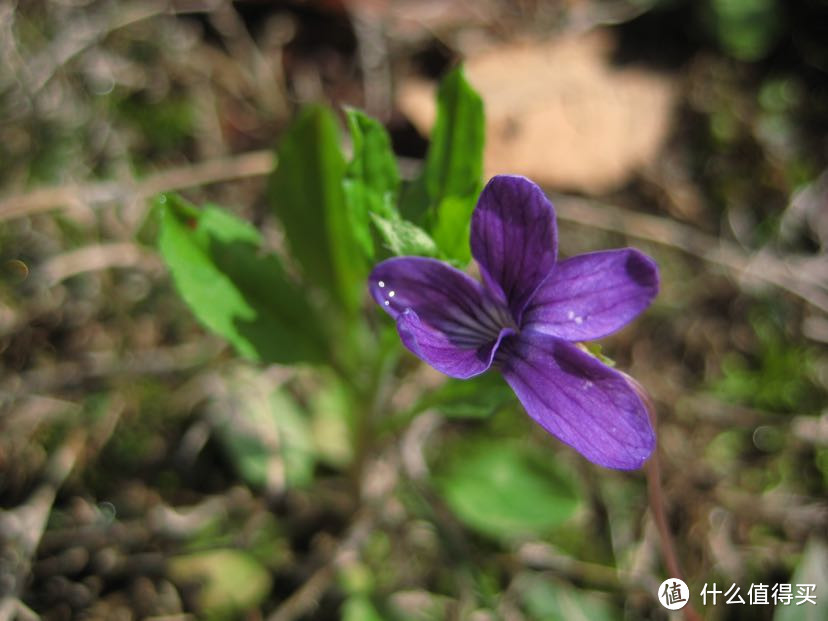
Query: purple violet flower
[526, 319]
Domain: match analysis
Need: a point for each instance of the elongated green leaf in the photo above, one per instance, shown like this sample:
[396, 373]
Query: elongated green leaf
[307, 194]
[553, 600]
[812, 570]
[502, 490]
[454, 165]
[264, 433]
[371, 179]
[373, 163]
[233, 289]
[403, 237]
[414, 201]
[373, 167]
[451, 230]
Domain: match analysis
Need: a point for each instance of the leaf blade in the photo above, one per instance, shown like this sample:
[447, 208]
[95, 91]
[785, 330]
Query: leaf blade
[233, 290]
[504, 491]
[306, 192]
[404, 238]
[371, 181]
[454, 165]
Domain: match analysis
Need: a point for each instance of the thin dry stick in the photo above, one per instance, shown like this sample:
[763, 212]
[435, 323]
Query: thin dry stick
[374, 60]
[307, 597]
[22, 528]
[252, 164]
[157, 361]
[258, 68]
[805, 284]
[84, 32]
[379, 482]
[98, 257]
[539, 555]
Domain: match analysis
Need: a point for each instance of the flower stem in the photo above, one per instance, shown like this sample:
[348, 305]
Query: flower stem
[656, 498]
[668, 550]
[655, 493]
[370, 401]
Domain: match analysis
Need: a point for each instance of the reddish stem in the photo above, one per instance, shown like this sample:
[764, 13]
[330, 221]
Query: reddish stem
[668, 550]
[656, 498]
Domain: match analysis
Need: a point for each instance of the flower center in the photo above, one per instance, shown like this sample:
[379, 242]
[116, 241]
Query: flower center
[478, 325]
[469, 320]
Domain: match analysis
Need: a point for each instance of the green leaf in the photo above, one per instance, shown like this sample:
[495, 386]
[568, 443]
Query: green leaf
[454, 165]
[547, 599]
[306, 190]
[232, 288]
[503, 490]
[230, 581]
[359, 608]
[812, 569]
[746, 29]
[371, 180]
[356, 578]
[331, 423]
[263, 431]
[404, 238]
[414, 201]
[477, 397]
[451, 230]
[373, 163]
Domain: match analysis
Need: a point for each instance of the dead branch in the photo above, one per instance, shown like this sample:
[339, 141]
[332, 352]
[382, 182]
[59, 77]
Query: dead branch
[253, 164]
[762, 266]
[22, 527]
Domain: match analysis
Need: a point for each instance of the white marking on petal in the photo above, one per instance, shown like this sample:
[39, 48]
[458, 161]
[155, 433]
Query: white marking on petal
[579, 320]
[391, 294]
[381, 284]
[387, 303]
[570, 315]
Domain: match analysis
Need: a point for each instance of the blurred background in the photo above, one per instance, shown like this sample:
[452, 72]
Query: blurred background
[147, 472]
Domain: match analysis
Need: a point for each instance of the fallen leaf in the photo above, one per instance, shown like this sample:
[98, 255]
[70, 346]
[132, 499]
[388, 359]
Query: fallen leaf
[230, 581]
[560, 113]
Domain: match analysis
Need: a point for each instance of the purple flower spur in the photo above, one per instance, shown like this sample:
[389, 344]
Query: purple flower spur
[526, 319]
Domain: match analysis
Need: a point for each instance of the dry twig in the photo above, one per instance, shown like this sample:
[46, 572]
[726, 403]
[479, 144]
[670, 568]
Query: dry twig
[252, 164]
[158, 361]
[762, 266]
[22, 528]
[98, 257]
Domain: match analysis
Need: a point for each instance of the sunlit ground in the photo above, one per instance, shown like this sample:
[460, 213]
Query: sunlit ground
[148, 471]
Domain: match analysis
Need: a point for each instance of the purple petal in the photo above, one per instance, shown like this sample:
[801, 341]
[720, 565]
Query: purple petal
[576, 398]
[592, 295]
[514, 238]
[438, 350]
[444, 316]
